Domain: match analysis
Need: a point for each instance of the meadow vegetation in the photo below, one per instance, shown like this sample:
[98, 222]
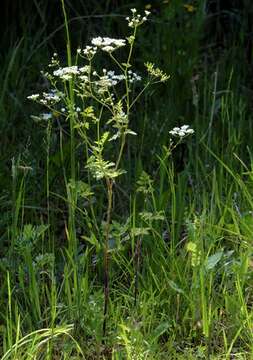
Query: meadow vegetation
[126, 182]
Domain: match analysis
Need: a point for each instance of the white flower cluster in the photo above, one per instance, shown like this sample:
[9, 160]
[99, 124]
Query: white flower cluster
[114, 77]
[182, 131]
[84, 78]
[33, 97]
[136, 19]
[54, 61]
[132, 76]
[52, 97]
[108, 44]
[66, 73]
[104, 43]
[109, 78]
[85, 69]
[82, 71]
[88, 51]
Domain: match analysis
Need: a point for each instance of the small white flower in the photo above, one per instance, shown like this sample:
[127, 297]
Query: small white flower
[190, 131]
[98, 41]
[66, 77]
[46, 116]
[132, 76]
[89, 51]
[108, 49]
[33, 97]
[111, 73]
[84, 69]
[84, 78]
[185, 127]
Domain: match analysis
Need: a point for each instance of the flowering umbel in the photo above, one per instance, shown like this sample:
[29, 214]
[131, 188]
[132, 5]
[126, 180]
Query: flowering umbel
[182, 131]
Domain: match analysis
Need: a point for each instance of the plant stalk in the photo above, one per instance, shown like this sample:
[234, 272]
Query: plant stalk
[109, 184]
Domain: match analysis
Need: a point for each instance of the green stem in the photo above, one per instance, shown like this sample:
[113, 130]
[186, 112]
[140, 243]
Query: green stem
[123, 141]
[49, 128]
[71, 102]
[137, 97]
[71, 92]
[109, 184]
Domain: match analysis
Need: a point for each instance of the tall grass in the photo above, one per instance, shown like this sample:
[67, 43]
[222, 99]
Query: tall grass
[180, 239]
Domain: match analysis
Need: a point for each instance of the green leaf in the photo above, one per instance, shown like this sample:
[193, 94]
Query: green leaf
[81, 188]
[145, 183]
[161, 329]
[149, 216]
[246, 225]
[140, 231]
[92, 240]
[175, 287]
[213, 260]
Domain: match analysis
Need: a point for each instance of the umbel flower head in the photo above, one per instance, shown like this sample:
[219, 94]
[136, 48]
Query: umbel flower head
[108, 44]
[136, 19]
[182, 131]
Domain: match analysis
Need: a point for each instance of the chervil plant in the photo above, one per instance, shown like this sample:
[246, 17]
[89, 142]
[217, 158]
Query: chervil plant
[98, 103]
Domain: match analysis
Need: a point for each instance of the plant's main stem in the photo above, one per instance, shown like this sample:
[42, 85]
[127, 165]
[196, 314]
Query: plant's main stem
[71, 93]
[109, 184]
[71, 103]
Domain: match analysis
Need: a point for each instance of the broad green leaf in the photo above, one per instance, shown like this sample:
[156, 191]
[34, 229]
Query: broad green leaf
[213, 260]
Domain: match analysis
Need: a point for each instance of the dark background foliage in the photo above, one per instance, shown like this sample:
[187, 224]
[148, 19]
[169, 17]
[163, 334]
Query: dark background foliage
[216, 36]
